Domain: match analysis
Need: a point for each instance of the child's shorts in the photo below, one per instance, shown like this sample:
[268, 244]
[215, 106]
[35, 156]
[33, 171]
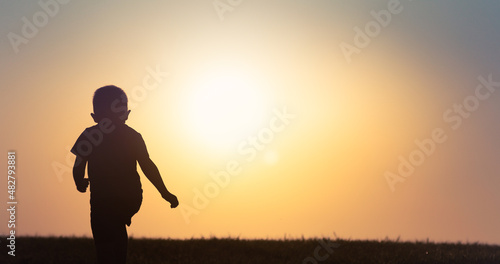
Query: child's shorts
[120, 209]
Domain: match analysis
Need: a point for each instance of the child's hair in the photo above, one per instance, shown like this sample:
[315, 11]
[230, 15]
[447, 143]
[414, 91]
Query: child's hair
[110, 102]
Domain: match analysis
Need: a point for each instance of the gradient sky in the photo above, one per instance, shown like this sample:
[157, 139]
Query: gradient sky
[220, 83]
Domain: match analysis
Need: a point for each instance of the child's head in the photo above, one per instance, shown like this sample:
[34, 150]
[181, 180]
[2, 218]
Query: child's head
[110, 102]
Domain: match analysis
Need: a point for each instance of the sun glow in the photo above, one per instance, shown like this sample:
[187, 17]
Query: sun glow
[271, 157]
[224, 107]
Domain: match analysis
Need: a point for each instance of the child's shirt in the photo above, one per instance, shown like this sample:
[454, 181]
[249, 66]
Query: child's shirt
[112, 156]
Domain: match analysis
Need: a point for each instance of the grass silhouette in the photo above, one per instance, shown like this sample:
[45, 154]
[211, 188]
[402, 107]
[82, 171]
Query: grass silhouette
[48, 250]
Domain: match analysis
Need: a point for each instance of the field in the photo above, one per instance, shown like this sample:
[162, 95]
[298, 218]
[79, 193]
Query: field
[80, 250]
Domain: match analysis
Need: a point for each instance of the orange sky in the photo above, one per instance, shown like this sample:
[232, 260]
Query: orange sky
[308, 131]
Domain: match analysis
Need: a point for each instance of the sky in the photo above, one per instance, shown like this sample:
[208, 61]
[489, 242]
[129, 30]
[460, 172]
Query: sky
[350, 119]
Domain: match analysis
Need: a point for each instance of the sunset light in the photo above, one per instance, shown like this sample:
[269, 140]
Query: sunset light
[224, 106]
[359, 120]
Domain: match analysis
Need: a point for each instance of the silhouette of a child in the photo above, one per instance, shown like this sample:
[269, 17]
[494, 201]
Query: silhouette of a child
[111, 149]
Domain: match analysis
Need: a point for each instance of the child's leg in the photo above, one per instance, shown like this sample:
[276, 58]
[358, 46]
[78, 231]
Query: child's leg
[121, 243]
[110, 238]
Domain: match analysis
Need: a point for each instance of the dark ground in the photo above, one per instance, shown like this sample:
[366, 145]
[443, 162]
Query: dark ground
[206, 251]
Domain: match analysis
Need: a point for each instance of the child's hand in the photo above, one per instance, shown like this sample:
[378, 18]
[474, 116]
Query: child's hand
[172, 199]
[82, 186]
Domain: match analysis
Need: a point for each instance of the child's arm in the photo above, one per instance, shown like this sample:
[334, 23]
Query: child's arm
[79, 174]
[153, 174]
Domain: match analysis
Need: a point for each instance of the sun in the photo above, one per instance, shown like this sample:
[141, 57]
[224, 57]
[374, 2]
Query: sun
[224, 107]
